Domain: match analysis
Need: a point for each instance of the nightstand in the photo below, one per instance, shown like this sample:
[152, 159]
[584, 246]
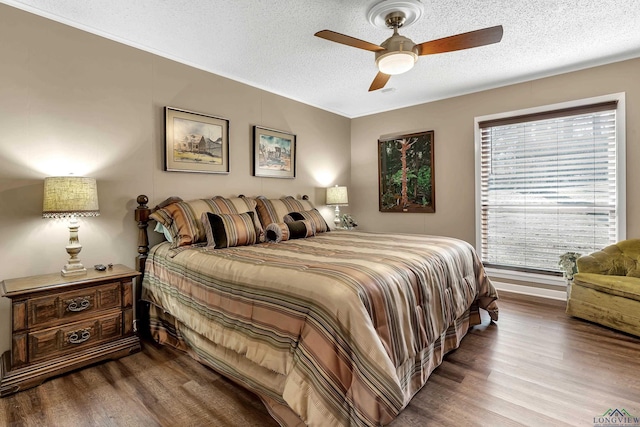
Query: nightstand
[59, 324]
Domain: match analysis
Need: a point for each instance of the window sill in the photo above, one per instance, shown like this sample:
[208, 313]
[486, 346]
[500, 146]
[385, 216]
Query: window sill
[496, 273]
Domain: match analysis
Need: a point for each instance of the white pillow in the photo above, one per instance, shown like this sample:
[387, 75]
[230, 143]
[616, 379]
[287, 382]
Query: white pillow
[163, 230]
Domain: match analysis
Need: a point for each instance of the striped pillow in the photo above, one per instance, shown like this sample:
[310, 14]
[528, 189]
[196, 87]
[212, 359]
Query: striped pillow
[274, 210]
[184, 219]
[313, 216]
[276, 232]
[300, 229]
[229, 230]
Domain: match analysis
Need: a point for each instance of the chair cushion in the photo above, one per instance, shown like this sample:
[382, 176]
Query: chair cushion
[620, 259]
[623, 286]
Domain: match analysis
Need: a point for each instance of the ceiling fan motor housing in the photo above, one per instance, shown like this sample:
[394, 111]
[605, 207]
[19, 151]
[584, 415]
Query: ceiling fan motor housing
[399, 55]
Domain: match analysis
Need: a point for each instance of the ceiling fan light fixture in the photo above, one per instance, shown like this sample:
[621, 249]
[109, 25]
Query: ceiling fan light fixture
[393, 63]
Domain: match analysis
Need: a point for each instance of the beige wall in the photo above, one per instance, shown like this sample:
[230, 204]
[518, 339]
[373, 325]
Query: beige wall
[453, 123]
[75, 102]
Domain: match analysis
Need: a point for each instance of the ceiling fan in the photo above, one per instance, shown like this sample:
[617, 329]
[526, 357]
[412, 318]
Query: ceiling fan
[398, 54]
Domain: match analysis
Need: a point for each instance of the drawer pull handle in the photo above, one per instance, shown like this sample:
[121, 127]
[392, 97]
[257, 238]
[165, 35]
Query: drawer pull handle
[78, 304]
[78, 337]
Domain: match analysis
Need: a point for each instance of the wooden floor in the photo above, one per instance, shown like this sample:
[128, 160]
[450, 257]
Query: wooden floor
[535, 367]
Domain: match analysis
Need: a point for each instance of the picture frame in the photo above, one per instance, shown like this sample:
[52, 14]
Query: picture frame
[195, 142]
[406, 173]
[274, 153]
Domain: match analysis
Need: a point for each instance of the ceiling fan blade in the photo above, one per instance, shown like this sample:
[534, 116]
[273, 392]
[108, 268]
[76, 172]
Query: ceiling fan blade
[379, 81]
[462, 41]
[348, 40]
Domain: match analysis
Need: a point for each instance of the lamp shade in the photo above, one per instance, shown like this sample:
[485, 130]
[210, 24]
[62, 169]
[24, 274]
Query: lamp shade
[337, 196]
[66, 196]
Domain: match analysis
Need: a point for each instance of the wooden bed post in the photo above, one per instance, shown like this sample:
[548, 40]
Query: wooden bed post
[141, 325]
[142, 217]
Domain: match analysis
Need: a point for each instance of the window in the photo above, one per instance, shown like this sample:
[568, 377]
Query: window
[550, 181]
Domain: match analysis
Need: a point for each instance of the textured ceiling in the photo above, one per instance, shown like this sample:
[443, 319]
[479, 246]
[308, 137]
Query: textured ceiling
[269, 44]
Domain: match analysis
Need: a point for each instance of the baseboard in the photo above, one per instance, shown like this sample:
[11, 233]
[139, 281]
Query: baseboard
[530, 290]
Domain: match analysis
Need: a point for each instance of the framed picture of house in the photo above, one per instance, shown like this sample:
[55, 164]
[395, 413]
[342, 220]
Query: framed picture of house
[406, 173]
[274, 153]
[195, 142]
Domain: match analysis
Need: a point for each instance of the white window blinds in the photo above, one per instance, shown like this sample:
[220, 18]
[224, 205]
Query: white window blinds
[548, 186]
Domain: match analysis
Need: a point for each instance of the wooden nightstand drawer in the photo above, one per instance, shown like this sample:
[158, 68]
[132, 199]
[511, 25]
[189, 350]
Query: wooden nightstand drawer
[56, 341]
[66, 306]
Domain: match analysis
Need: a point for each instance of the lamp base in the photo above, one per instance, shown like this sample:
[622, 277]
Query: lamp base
[73, 267]
[73, 270]
[337, 221]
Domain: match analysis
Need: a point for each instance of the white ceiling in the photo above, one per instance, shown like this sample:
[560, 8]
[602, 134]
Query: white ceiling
[269, 44]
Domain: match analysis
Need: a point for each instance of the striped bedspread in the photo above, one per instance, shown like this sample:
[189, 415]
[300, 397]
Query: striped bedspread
[334, 330]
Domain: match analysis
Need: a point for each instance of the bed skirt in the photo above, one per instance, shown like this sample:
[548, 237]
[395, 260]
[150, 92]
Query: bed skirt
[268, 385]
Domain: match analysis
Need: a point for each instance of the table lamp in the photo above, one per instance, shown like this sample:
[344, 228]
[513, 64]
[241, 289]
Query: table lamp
[71, 197]
[337, 196]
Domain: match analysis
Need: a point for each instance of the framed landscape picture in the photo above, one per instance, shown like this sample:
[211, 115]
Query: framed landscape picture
[195, 142]
[274, 153]
[406, 174]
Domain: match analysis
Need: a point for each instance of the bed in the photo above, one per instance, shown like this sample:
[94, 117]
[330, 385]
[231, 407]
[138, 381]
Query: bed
[339, 328]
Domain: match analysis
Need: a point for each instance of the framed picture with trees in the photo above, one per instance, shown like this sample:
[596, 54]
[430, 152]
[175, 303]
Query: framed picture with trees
[406, 173]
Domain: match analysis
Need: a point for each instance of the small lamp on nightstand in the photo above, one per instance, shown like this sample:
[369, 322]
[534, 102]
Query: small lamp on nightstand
[71, 196]
[337, 196]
